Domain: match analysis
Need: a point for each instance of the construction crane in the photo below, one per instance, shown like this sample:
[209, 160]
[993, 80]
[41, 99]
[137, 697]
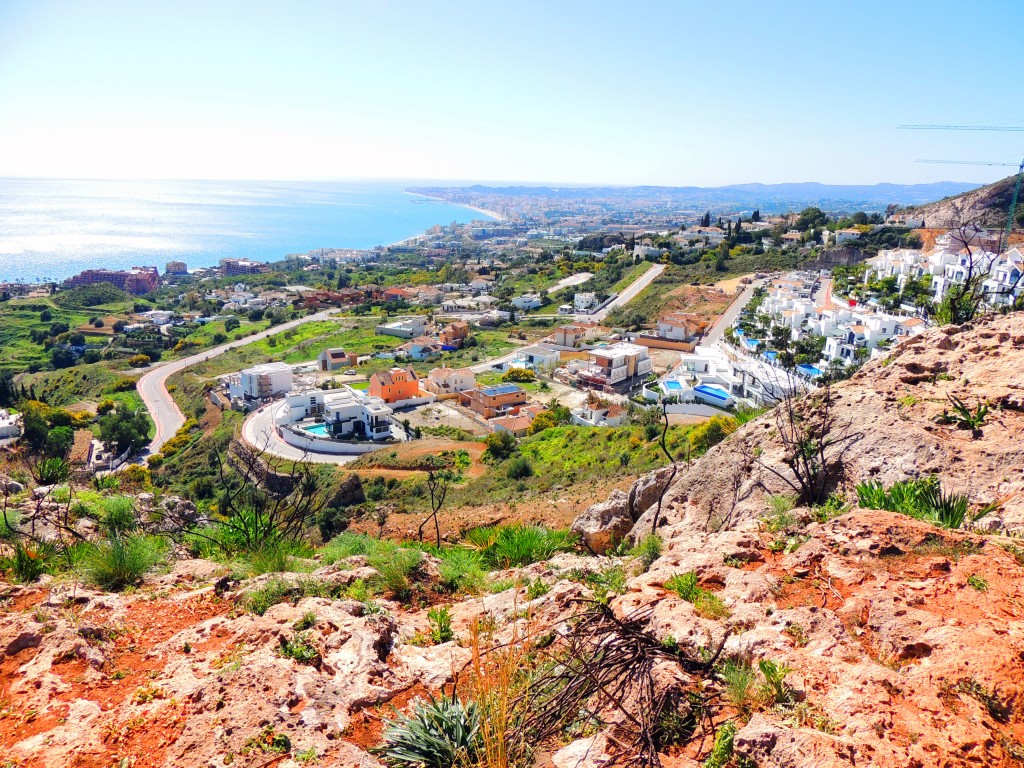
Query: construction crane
[940, 127]
[968, 162]
[1005, 234]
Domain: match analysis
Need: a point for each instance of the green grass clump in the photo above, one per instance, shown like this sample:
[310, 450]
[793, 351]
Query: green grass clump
[740, 690]
[647, 550]
[512, 546]
[118, 515]
[275, 591]
[120, 561]
[439, 733]
[705, 603]
[462, 569]
[275, 557]
[393, 563]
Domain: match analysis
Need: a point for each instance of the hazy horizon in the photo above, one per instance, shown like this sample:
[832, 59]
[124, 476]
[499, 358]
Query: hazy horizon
[486, 182]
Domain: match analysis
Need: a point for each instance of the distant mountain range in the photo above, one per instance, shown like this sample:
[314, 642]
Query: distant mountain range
[767, 197]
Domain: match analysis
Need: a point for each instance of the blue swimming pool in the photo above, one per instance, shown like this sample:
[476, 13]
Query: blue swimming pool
[317, 429]
[771, 354]
[712, 392]
[751, 343]
[809, 370]
[672, 384]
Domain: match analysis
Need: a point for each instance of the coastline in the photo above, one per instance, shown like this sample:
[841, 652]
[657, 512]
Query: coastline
[493, 214]
[286, 219]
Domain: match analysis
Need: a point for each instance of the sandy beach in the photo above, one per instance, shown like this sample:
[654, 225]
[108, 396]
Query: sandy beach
[493, 214]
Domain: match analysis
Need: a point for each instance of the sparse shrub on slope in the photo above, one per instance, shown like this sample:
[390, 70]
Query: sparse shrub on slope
[29, 560]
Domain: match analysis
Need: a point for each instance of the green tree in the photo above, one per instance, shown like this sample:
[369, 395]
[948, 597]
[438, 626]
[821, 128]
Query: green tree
[500, 445]
[62, 357]
[59, 441]
[124, 427]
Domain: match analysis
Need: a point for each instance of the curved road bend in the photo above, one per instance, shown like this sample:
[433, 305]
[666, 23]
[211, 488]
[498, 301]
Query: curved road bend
[152, 386]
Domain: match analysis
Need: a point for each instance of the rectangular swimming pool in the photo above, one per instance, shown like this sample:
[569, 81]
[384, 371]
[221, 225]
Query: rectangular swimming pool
[317, 429]
[809, 370]
[712, 392]
[672, 384]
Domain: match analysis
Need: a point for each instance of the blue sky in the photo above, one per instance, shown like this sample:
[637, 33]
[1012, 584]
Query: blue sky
[671, 92]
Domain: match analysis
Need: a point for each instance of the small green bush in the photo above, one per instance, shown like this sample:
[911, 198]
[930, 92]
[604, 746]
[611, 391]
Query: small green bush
[647, 550]
[299, 647]
[519, 468]
[774, 686]
[275, 591]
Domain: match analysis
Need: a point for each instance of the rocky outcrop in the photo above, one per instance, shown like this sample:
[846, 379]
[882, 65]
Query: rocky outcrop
[603, 525]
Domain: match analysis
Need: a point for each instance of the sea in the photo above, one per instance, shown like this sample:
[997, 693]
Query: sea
[52, 229]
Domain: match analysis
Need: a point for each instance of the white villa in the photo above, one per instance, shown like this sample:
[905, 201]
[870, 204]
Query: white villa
[409, 328]
[536, 357]
[718, 376]
[527, 301]
[613, 365]
[585, 302]
[347, 413]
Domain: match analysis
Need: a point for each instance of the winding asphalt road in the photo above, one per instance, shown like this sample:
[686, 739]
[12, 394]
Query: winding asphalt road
[152, 386]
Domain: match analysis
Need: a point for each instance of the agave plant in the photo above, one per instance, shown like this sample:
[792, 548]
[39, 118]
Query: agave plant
[438, 733]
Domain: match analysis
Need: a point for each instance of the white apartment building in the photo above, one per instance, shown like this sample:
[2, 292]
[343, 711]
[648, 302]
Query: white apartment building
[1006, 284]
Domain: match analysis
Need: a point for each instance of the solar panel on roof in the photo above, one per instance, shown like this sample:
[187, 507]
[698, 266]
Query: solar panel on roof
[500, 389]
